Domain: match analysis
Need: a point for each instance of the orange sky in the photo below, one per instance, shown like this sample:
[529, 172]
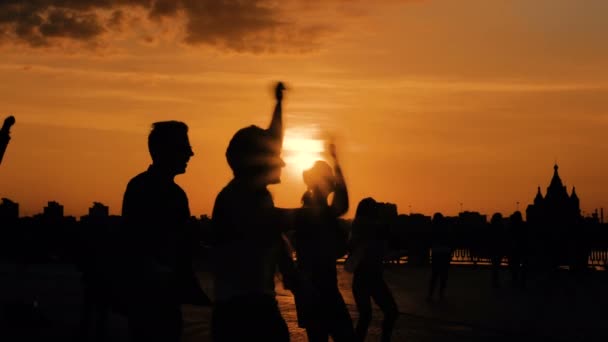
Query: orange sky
[434, 103]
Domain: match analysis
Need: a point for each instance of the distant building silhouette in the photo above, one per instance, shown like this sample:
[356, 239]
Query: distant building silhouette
[9, 211]
[472, 219]
[556, 207]
[557, 227]
[53, 211]
[98, 210]
[99, 214]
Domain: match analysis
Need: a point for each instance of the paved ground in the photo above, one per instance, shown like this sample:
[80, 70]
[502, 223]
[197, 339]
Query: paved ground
[554, 307]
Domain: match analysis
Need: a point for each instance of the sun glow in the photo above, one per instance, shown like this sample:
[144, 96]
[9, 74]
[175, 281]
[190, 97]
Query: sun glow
[301, 149]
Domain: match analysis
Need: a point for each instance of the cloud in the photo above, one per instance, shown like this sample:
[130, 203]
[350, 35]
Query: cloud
[235, 25]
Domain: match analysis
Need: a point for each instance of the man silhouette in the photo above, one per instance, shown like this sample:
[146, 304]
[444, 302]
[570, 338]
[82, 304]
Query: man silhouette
[157, 263]
[249, 243]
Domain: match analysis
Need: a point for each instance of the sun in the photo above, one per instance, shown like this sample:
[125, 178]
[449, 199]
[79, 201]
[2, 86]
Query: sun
[301, 149]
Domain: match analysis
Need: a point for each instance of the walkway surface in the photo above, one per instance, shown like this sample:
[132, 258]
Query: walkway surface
[553, 307]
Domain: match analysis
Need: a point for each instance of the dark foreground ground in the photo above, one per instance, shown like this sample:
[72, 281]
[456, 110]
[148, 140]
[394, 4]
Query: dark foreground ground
[553, 307]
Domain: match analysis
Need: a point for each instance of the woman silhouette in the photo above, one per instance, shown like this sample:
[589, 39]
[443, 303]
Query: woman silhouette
[319, 241]
[369, 238]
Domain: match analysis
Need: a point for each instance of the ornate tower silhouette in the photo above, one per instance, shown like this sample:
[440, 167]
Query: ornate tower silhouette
[556, 208]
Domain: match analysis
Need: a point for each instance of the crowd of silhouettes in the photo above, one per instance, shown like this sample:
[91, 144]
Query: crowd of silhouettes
[142, 267]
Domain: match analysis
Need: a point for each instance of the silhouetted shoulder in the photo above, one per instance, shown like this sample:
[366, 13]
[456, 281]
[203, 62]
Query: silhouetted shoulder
[150, 195]
[239, 199]
[136, 188]
[138, 182]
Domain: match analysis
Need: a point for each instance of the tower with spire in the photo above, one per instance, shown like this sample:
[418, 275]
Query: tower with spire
[557, 208]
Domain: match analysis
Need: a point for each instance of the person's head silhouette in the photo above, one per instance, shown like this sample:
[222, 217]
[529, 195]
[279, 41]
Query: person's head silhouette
[254, 155]
[320, 179]
[496, 219]
[169, 146]
[438, 219]
[367, 208]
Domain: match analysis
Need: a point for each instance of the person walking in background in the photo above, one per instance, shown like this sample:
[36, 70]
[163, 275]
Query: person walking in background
[319, 241]
[155, 263]
[368, 244]
[246, 223]
[518, 255]
[496, 246]
[441, 254]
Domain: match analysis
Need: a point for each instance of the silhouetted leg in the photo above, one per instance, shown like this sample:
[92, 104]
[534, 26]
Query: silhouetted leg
[249, 317]
[361, 294]
[443, 280]
[432, 282]
[342, 329]
[384, 299]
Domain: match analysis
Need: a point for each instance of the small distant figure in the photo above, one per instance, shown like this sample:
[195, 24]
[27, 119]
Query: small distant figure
[319, 241]
[368, 245]
[249, 245]
[496, 244]
[5, 136]
[441, 252]
[518, 250]
[156, 265]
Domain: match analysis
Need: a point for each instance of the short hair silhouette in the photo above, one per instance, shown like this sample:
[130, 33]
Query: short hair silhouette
[252, 150]
[164, 136]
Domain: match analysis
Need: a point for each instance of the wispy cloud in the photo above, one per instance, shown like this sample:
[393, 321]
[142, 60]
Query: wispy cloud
[242, 26]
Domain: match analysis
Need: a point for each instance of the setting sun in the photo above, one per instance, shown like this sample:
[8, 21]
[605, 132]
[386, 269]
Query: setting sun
[301, 149]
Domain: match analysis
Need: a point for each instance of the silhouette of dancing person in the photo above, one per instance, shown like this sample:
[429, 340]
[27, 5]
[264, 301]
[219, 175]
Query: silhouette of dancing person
[5, 136]
[249, 243]
[319, 241]
[157, 265]
[441, 248]
[369, 240]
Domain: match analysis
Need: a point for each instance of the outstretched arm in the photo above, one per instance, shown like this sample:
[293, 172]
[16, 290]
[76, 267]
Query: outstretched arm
[5, 135]
[276, 124]
[339, 203]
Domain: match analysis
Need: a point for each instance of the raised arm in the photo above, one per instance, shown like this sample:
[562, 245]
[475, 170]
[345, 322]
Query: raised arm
[5, 135]
[339, 204]
[276, 124]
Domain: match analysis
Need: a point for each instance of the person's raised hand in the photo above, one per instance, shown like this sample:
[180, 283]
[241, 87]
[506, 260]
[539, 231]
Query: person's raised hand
[8, 122]
[278, 92]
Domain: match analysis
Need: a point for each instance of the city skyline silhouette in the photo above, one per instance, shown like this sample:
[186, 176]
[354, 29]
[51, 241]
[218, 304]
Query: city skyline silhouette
[204, 170]
[554, 189]
[475, 111]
